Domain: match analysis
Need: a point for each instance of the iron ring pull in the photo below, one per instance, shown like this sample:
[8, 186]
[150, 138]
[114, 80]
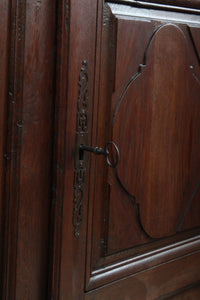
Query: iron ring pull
[101, 151]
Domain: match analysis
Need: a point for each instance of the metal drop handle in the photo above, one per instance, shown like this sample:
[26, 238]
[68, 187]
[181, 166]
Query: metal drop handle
[101, 151]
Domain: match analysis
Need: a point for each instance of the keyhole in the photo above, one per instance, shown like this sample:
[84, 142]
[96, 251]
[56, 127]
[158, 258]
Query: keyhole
[81, 153]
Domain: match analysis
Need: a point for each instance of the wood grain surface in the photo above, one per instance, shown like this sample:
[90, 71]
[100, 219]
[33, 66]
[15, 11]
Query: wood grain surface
[135, 233]
[30, 92]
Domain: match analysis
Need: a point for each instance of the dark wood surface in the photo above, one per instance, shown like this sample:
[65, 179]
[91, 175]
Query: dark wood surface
[81, 47]
[121, 71]
[163, 282]
[162, 129]
[4, 53]
[154, 157]
[146, 165]
[29, 129]
[62, 50]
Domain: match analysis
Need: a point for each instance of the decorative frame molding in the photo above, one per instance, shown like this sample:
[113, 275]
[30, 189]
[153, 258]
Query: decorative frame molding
[62, 44]
[13, 144]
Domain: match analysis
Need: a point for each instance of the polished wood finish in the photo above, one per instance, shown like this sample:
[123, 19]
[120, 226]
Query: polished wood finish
[162, 131]
[181, 3]
[81, 47]
[62, 42]
[117, 244]
[29, 96]
[4, 53]
[130, 213]
[177, 5]
[72, 227]
[157, 283]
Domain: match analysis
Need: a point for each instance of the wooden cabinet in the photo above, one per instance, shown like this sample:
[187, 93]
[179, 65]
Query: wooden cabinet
[120, 79]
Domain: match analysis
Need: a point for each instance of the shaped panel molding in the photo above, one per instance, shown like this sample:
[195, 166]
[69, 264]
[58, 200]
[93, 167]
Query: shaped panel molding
[160, 109]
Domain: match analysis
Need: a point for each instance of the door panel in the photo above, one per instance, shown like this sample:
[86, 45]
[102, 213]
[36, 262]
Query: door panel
[155, 121]
[149, 106]
[132, 78]
[127, 72]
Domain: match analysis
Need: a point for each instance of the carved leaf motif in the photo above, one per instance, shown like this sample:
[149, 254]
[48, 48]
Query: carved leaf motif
[81, 131]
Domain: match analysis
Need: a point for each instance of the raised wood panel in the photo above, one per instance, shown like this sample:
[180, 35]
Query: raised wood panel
[154, 116]
[157, 108]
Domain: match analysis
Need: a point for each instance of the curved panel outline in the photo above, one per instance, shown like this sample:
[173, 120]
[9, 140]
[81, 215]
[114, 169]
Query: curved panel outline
[137, 74]
[188, 205]
[133, 78]
[143, 64]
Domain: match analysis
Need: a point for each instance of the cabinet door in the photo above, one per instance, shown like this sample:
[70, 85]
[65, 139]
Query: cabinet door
[149, 106]
[137, 223]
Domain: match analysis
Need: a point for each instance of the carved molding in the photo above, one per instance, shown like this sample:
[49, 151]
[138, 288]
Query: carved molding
[63, 24]
[13, 144]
